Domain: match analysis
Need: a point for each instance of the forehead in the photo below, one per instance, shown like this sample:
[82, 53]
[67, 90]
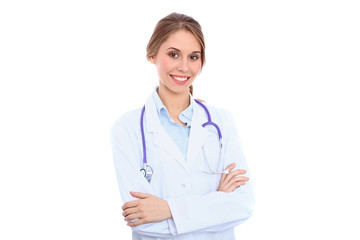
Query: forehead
[183, 40]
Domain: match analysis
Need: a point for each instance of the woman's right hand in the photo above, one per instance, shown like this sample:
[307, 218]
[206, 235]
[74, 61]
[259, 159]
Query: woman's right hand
[229, 182]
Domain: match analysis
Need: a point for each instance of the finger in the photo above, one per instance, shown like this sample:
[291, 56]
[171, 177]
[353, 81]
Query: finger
[237, 172]
[229, 168]
[234, 173]
[129, 211]
[235, 186]
[231, 187]
[130, 204]
[132, 216]
[140, 195]
[136, 223]
[239, 178]
[236, 180]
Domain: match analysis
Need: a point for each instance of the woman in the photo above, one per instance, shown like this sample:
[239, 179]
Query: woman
[178, 177]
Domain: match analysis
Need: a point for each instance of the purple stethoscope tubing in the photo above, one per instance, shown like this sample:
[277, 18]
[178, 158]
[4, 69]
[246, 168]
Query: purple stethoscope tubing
[209, 122]
[147, 170]
[143, 135]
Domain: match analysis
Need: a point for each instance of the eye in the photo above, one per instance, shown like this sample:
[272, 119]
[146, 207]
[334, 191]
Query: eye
[194, 57]
[174, 54]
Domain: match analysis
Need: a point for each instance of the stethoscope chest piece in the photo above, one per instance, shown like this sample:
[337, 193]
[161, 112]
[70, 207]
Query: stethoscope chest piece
[147, 172]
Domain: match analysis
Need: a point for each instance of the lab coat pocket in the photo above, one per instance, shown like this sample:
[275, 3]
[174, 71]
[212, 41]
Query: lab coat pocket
[209, 168]
[211, 157]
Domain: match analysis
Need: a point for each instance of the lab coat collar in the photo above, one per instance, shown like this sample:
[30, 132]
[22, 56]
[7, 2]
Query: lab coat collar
[197, 137]
[185, 116]
[198, 134]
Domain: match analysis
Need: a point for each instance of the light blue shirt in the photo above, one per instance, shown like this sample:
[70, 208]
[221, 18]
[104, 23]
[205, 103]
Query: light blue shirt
[178, 133]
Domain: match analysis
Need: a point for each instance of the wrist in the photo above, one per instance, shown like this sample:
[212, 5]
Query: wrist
[168, 210]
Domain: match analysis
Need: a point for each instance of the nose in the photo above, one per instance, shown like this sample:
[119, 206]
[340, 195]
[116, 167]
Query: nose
[183, 65]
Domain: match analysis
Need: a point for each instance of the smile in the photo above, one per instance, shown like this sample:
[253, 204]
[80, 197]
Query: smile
[180, 79]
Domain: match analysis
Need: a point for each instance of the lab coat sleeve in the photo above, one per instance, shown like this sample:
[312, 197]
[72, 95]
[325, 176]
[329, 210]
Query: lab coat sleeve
[126, 161]
[217, 211]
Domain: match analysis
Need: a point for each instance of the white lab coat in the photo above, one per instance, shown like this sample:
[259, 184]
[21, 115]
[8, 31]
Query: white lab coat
[199, 211]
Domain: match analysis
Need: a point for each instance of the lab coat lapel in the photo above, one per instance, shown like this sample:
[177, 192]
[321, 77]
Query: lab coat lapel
[198, 134]
[162, 139]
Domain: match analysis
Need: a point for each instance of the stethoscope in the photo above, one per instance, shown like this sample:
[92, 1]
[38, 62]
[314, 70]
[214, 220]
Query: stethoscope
[147, 170]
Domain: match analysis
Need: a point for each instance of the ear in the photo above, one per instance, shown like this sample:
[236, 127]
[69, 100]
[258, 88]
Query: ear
[151, 60]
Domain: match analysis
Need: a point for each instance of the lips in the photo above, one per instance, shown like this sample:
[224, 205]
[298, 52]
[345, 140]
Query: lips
[179, 79]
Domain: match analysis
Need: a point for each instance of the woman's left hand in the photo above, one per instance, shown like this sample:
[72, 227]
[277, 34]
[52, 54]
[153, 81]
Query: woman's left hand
[148, 208]
[231, 180]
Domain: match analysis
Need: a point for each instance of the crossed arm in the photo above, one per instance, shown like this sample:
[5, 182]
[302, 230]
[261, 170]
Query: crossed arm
[149, 208]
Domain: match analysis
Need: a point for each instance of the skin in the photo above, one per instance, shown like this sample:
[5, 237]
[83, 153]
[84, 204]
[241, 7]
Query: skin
[229, 182]
[179, 55]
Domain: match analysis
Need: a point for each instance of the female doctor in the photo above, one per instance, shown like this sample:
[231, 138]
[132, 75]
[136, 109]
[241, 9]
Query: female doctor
[179, 162]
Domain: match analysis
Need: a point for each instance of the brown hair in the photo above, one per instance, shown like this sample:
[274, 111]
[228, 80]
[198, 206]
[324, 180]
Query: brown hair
[170, 24]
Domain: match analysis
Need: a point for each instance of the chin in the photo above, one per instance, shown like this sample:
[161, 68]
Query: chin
[179, 90]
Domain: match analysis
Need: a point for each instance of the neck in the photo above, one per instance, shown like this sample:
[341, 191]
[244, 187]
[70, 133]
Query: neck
[175, 103]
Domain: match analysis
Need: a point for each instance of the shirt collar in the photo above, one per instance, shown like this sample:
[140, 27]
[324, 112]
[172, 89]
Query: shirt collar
[185, 116]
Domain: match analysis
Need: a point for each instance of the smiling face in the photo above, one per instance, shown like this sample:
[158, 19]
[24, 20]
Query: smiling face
[178, 62]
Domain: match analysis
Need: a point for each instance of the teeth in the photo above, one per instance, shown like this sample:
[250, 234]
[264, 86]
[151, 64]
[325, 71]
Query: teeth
[179, 78]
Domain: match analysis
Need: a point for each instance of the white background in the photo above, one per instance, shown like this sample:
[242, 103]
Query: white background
[288, 70]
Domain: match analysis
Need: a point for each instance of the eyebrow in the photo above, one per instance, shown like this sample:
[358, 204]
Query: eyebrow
[180, 51]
